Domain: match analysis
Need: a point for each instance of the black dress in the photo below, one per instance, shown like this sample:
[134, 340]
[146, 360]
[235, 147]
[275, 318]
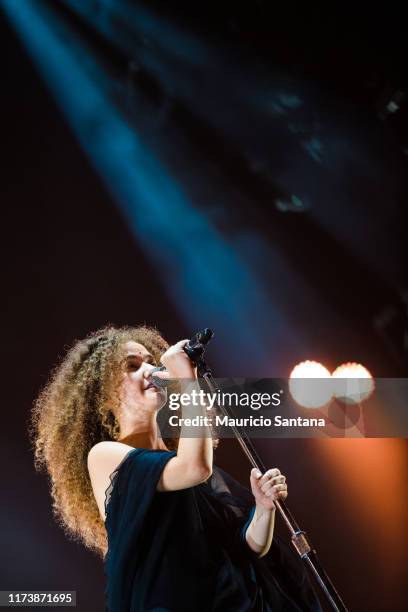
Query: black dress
[179, 551]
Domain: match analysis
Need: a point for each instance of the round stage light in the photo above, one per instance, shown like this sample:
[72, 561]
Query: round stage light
[311, 393]
[353, 383]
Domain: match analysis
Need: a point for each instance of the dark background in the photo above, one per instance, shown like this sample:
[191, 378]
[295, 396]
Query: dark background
[332, 267]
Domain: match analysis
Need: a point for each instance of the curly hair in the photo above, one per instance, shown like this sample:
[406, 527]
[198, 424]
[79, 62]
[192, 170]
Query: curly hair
[75, 410]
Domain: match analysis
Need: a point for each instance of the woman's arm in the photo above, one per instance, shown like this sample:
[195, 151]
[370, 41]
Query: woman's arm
[266, 489]
[194, 460]
[193, 463]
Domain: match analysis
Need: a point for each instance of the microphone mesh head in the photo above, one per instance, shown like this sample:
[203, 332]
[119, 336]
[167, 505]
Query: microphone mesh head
[159, 382]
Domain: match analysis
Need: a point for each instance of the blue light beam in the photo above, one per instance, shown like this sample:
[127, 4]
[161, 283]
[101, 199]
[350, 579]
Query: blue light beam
[209, 282]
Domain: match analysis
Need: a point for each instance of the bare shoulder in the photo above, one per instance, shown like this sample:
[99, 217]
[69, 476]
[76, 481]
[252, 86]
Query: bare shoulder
[103, 459]
[108, 454]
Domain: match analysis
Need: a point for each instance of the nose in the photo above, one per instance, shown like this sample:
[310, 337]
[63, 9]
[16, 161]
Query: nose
[147, 370]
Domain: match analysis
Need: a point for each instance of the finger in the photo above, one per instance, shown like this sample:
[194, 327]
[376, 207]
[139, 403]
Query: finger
[161, 374]
[181, 343]
[255, 473]
[280, 487]
[266, 486]
[273, 481]
[270, 474]
[278, 479]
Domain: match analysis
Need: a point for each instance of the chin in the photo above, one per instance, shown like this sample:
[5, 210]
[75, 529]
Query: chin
[159, 398]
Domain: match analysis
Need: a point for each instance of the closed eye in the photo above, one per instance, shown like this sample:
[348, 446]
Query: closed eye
[133, 366]
[134, 362]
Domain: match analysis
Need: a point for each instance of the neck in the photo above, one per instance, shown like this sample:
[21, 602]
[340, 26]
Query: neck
[142, 435]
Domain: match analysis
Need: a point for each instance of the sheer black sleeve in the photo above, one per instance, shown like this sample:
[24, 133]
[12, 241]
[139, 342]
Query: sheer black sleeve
[128, 498]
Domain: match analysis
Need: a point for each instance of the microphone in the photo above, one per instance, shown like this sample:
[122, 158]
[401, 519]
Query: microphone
[194, 348]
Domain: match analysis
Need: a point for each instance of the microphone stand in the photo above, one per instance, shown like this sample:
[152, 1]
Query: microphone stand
[195, 350]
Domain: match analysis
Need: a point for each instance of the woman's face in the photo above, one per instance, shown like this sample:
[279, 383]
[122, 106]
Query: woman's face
[137, 388]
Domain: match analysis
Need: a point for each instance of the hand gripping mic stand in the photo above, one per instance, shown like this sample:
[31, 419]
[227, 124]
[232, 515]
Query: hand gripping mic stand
[195, 350]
